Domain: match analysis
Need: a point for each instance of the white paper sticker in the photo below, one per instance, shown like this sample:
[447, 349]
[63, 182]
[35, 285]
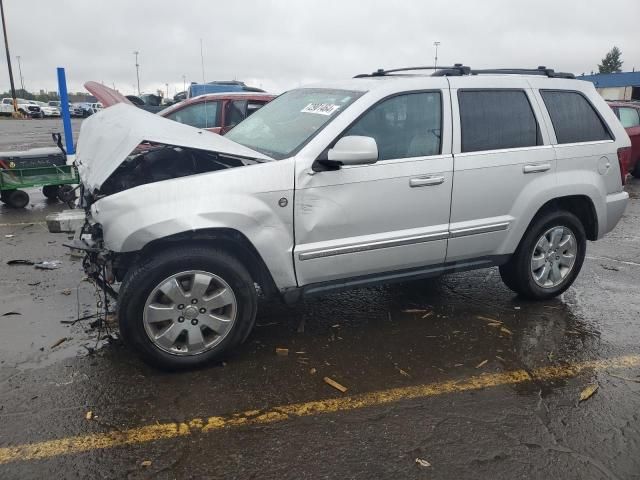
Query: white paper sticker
[320, 108]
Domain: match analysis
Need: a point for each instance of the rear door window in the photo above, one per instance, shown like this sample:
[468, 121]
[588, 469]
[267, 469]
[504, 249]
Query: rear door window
[496, 119]
[628, 117]
[574, 119]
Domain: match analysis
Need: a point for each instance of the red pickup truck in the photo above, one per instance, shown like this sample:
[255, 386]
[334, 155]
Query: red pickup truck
[629, 115]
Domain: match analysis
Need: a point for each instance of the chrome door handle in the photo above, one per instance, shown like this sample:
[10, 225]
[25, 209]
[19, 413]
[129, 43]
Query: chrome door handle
[536, 168]
[426, 181]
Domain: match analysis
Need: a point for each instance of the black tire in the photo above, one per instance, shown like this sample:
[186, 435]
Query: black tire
[16, 198]
[51, 191]
[66, 193]
[636, 171]
[517, 274]
[4, 195]
[141, 280]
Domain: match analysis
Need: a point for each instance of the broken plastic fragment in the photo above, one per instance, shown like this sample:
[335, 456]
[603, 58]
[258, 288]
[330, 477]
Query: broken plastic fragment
[48, 265]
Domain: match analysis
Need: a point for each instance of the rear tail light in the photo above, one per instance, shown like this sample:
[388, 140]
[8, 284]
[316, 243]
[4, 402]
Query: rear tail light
[624, 159]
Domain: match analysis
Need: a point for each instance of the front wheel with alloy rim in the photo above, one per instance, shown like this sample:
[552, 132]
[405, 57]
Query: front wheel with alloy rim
[549, 257]
[186, 306]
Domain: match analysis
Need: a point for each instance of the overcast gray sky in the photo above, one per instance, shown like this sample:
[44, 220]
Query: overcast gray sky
[282, 44]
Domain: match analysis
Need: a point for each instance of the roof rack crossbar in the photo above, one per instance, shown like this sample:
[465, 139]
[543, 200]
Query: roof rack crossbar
[459, 69]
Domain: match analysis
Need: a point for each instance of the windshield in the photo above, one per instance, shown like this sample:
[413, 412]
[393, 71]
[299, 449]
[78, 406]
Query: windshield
[284, 125]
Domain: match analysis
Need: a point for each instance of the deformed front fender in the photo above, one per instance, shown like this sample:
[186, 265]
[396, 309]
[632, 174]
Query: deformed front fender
[246, 199]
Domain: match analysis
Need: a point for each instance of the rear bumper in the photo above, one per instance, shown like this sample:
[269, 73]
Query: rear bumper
[615, 205]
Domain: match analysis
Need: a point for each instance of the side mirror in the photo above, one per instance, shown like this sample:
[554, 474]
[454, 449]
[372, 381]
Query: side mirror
[354, 150]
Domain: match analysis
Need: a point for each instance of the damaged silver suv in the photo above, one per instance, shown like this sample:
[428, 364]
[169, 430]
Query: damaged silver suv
[386, 177]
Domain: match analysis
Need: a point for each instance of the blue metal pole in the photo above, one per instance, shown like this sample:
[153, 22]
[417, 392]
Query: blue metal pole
[64, 111]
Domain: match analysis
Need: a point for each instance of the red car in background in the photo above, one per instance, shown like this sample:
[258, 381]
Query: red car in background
[629, 115]
[216, 112]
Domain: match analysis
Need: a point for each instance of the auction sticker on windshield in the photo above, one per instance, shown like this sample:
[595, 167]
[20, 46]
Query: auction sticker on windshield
[320, 108]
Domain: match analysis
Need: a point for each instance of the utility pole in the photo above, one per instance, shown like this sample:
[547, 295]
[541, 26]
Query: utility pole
[6, 46]
[136, 53]
[21, 77]
[202, 61]
[436, 59]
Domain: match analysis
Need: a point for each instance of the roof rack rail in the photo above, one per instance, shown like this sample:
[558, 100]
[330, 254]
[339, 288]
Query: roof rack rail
[542, 70]
[459, 69]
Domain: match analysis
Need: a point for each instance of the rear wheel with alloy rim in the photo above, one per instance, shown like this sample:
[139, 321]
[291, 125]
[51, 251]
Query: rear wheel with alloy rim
[186, 306]
[549, 257]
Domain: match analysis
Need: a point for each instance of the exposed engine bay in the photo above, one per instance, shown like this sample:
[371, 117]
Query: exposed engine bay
[151, 163]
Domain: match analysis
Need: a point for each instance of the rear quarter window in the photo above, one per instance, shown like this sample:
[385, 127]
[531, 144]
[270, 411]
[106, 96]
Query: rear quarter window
[573, 117]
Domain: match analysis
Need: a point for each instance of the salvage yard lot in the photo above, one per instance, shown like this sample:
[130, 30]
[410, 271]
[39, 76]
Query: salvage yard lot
[456, 372]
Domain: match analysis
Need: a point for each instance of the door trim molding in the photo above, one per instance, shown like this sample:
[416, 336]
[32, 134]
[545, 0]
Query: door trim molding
[463, 232]
[399, 242]
[365, 247]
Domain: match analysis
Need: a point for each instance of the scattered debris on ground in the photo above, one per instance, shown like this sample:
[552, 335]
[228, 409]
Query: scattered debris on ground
[145, 463]
[59, 342]
[482, 364]
[334, 384]
[610, 267]
[66, 291]
[89, 415]
[20, 262]
[48, 265]
[422, 462]
[8, 314]
[588, 392]
[282, 352]
[313, 371]
[416, 310]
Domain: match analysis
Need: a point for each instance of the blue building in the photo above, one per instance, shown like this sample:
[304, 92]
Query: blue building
[616, 86]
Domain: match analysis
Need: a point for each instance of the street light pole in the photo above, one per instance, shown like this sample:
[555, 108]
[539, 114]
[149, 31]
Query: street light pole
[6, 46]
[436, 59]
[136, 53]
[20, 70]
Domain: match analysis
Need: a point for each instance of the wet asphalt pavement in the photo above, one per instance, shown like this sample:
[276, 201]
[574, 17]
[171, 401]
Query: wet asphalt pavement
[431, 332]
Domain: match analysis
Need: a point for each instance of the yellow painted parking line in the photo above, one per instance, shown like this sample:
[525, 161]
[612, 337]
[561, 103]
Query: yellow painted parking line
[151, 433]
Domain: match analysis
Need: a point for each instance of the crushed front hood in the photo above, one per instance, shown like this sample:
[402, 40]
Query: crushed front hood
[107, 138]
